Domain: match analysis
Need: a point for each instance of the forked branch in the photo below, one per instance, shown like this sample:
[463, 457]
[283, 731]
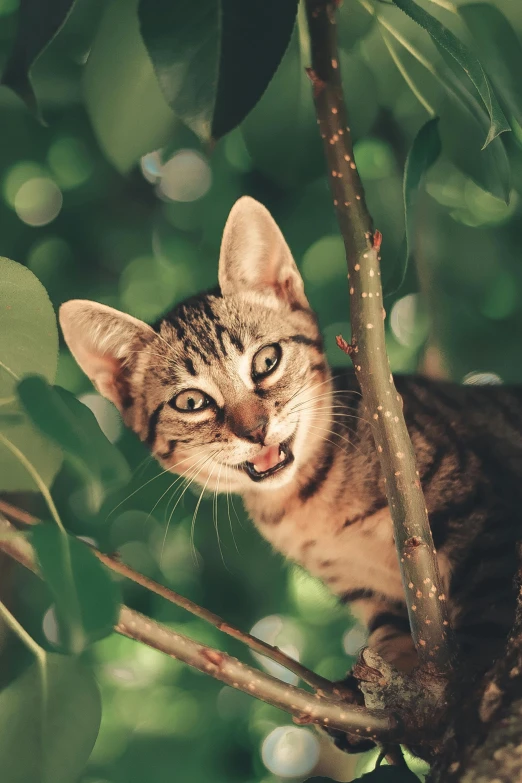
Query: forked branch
[257, 645]
[423, 587]
[305, 707]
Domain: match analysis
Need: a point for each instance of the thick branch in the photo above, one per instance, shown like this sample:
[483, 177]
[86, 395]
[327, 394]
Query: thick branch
[304, 706]
[422, 583]
[483, 743]
[311, 678]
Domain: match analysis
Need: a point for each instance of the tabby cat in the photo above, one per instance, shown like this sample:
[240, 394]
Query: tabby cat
[232, 387]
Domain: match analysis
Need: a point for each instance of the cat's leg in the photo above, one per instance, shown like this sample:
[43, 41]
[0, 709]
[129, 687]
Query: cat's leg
[388, 631]
[389, 634]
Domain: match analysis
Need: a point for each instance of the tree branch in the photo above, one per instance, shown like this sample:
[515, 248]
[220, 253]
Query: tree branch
[263, 648]
[482, 743]
[305, 707]
[423, 588]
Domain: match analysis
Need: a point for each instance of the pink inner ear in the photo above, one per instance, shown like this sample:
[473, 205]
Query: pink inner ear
[103, 370]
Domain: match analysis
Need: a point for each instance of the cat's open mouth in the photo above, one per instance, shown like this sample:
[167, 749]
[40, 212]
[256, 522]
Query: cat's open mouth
[268, 461]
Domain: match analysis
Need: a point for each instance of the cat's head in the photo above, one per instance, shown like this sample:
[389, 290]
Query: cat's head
[228, 388]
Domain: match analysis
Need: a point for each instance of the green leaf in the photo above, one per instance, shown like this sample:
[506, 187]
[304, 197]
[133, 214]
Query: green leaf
[466, 59]
[500, 51]
[72, 426]
[38, 23]
[127, 109]
[215, 58]
[49, 741]
[489, 167]
[28, 344]
[424, 152]
[86, 598]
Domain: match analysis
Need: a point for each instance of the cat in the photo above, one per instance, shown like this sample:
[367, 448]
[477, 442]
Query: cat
[233, 388]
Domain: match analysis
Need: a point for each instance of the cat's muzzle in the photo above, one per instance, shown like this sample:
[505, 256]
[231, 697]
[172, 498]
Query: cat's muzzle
[284, 457]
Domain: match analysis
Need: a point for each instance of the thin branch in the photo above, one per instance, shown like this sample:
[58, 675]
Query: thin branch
[423, 589]
[306, 675]
[305, 707]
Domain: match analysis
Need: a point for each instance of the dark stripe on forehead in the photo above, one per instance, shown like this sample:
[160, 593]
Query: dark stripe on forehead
[236, 342]
[302, 339]
[153, 424]
[220, 331]
[188, 345]
[189, 364]
[207, 309]
[180, 331]
[204, 337]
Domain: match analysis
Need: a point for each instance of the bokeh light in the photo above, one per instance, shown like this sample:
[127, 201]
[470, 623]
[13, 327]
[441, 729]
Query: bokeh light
[374, 158]
[69, 162]
[18, 175]
[325, 261]
[38, 201]
[148, 287]
[354, 639]
[290, 751]
[284, 634]
[482, 379]
[185, 177]
[312, 598]
[408, 321]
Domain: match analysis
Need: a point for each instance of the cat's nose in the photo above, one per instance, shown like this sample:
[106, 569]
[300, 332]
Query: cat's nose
[249, 425]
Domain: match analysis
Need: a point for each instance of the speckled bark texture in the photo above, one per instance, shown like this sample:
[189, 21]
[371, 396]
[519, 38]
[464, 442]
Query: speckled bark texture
[483, 743]
[425, 596]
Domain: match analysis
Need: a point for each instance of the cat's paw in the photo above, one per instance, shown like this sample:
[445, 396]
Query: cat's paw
[350, 743]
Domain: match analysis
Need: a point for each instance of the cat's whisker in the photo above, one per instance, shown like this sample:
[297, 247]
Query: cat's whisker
[334, 413]
[158, 475]
[337, 435]
[228, 495]
[188, 482]
[179, 479]
[215, 515]
[329, 393]
[330, 379]
[308, 386]
[326, 395]
[193, 524]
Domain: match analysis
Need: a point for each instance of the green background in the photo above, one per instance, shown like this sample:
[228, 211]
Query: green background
[116, 200]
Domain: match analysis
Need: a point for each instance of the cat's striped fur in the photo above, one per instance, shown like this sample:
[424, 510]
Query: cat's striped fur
[327, 509]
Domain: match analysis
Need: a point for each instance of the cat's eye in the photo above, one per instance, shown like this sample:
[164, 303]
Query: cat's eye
[265, 361]
[191, 401]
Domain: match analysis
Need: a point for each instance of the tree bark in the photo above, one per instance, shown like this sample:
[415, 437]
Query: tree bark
[483, 743]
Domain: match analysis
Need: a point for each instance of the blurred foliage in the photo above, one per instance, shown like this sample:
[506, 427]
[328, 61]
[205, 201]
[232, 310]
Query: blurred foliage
[115, 199]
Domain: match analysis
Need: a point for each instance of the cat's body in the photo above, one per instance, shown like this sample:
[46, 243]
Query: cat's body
[233, 390]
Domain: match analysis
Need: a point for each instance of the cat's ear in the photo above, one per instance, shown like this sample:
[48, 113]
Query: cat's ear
[255, 256]
[101, 338]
